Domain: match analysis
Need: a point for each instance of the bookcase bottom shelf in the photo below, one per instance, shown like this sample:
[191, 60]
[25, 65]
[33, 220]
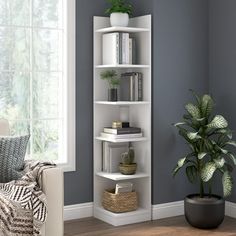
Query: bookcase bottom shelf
[117, 219]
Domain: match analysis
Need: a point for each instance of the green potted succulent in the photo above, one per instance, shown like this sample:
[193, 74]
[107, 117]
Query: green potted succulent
[111, 77]
[210, 155]
[119, 12]
[127, 165]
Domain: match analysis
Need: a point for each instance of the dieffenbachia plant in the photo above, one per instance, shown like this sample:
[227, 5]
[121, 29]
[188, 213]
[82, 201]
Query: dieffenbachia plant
[210, 141]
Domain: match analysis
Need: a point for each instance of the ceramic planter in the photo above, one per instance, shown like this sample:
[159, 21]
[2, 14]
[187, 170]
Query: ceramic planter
[204, 213]
[119, 19]
[112, 95]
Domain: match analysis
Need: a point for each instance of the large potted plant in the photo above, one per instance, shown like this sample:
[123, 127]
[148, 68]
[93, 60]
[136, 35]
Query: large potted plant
[111, 77]
[209, 140]
[119, 12]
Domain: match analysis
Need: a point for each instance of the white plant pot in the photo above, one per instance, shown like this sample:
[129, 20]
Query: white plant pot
[119, 19]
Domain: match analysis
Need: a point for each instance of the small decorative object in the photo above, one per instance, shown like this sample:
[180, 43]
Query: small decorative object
[119, 12]
[128, 167]
[116, 124]
[209, 140]
[113, 82]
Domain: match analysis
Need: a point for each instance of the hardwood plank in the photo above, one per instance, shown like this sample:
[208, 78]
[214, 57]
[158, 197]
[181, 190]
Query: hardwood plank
[176, 226]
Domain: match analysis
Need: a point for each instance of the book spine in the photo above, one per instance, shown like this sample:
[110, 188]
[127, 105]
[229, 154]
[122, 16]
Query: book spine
[120, 48]
[122, 131]
[123, 48]
[117, 48]
[127, 48]
[130, 51]
[140, 87]
[132, 88]
[133, 51]
[136, 86]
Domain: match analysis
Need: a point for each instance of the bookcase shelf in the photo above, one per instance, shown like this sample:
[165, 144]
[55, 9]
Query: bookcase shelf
[122, 103]
[138, 113]
[119, 176]
[121, 66]
[122, 29]
[122, 140]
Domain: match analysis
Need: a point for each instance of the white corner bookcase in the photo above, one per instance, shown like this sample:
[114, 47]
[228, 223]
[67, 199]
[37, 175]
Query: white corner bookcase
[139, 116]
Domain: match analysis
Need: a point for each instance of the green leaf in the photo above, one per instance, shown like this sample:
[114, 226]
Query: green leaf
[180, 164]
[208, 171]
[201, 155]
[179, 124]
[193, 110]
[207, 104]
[226, 132]
[232, 157]
[191, 172]
[232, 143]
[193, 135]
[219, 162]
[227, 183]
[219, 122]
[195, 95]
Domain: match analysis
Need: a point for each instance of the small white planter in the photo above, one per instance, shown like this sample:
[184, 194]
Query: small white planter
[119, 19]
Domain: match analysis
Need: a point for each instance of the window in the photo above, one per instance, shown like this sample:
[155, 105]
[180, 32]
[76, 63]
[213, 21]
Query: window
[37, 75]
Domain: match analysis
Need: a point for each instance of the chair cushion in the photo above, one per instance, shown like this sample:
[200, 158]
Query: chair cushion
[12, 154]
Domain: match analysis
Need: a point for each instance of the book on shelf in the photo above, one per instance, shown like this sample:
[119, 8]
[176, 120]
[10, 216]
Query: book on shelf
[128, 130]
[111, 156]
[117, 48]
[121, 136]
[131, 86]
[132, 51]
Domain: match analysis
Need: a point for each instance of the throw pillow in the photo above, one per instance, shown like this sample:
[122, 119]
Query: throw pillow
[12, 154]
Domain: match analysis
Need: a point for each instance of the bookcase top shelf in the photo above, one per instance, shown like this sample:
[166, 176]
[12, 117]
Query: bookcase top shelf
[121, 66]
[119, 176]
[122, 29]
[122, 103]
[122, 140]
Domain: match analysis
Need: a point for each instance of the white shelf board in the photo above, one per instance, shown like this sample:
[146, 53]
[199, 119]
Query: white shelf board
[122, 29]
[116, 219]
[122, 140]
[119, 176]
[122, 103]
[121, 66]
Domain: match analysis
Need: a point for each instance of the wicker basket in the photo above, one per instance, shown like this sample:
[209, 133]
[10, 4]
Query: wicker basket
[120, 202]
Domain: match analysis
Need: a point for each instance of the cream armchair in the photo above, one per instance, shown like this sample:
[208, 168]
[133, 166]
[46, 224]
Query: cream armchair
[52, 184]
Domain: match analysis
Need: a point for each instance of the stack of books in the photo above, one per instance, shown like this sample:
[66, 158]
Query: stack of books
[121, 133]
[131, 86]
[118, 48]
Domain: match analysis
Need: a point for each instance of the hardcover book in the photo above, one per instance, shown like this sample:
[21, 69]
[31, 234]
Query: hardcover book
[129, 130]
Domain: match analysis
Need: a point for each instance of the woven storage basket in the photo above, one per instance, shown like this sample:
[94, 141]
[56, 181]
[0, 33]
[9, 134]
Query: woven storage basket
[121, 202]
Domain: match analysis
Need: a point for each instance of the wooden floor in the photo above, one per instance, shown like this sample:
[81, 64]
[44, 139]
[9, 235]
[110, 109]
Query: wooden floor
[175, 226]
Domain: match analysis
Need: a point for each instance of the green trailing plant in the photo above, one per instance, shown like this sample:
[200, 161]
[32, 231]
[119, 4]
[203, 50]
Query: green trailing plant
[119, 6]
[209, 140]
[111, 77]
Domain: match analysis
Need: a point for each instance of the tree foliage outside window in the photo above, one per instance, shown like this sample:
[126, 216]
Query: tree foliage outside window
[31, 73]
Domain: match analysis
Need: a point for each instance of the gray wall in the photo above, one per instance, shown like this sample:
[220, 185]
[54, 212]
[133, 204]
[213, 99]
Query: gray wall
[180, 62]
[222, 55]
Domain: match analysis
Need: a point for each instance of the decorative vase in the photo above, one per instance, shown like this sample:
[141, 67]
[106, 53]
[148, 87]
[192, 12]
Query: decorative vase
[112, 95]
[119, 19]
[128, 169]
[205, 213]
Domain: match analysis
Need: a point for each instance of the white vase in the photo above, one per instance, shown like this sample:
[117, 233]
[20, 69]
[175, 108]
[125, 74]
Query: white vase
[119, 19]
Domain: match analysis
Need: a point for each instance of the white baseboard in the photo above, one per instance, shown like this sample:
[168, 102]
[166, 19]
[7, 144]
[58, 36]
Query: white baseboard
[230, 209]
[166, 210]
[159, 211]
[78, 211]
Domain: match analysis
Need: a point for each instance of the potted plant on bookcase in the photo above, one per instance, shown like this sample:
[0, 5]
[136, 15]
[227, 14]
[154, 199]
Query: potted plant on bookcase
[111, 77]
[119, 12]
[210, 155]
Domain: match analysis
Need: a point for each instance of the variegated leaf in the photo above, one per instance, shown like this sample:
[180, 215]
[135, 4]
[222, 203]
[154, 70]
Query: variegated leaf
[232, 157]
[179, 124]
[201, 155]
[219, 162]
[206, 105]
[208, 171]
[219, 122]
[231, 142]
[191, 172]
[193, 135]
[193, 110]
[227, 183]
